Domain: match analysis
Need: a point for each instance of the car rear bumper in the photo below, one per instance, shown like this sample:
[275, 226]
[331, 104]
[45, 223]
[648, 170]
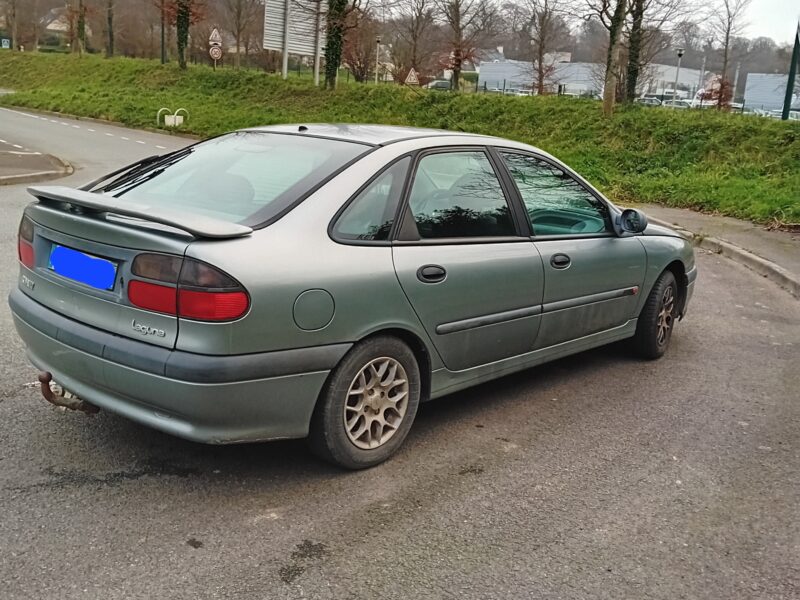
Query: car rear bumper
[210, 399]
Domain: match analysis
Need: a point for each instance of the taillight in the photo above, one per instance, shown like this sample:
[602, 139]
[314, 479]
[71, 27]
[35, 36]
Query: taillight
[25, 243]
[187, 288]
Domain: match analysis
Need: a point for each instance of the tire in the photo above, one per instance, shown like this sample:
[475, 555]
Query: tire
[657, 319]
[368, 404]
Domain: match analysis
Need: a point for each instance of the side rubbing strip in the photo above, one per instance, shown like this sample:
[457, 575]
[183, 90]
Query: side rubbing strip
[492, 319]
[590, 299]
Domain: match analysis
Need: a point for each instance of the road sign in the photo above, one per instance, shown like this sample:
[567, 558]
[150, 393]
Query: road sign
[215, 39]
[295, 25]
[6, 43]
[215, 52]
[412, 78]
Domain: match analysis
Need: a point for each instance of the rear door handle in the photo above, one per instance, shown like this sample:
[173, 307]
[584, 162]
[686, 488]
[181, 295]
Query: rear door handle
[560, 261]
[431, 274]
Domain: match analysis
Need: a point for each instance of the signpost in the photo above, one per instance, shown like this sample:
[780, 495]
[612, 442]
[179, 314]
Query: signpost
[295, 27]
[215, 46]
[6, 44]
[412, 78]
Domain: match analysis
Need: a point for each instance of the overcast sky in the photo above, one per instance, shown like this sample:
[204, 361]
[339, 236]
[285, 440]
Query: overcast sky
[773, 18]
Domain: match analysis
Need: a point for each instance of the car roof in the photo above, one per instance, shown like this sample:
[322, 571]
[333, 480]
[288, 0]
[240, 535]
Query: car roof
[374, 135]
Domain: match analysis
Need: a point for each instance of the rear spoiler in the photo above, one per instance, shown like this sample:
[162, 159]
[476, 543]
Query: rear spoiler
[197, 225]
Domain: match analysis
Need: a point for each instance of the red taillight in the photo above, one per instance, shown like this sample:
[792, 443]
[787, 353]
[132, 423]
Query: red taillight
[151, 296]
[25, 243]
[211, 306]
[193, 290]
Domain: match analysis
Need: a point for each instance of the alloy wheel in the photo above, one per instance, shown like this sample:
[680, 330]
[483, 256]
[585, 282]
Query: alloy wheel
[666, 316]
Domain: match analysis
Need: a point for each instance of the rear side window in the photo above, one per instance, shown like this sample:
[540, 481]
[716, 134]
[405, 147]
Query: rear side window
[457, 195]
[245, 177]
[370, 215]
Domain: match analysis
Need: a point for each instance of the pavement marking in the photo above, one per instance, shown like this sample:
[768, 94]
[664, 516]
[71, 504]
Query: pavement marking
[53, 121]
[76, 126]
[124, 138]
[89, 129]
[3, 142]
[161, 147]
[17, 146]
[140, 142]
[64, 124]
[110, 134]
[23, 153]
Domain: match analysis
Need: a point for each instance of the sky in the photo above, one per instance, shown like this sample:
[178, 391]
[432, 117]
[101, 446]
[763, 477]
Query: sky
[773, 18]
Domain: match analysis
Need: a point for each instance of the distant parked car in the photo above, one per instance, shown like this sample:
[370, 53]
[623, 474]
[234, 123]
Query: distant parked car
[442, 85]
[678, 103]
[648, 101]
[524, 92]
[323, 280]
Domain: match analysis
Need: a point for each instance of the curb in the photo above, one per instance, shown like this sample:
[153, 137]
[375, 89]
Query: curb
[766, 268]
[51, 113]
[65, 170]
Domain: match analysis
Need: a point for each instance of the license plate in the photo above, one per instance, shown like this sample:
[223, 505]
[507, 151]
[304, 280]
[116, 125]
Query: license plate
[96, 272]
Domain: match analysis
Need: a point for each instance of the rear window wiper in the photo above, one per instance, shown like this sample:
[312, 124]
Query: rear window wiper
[138, 176]
[129, 171]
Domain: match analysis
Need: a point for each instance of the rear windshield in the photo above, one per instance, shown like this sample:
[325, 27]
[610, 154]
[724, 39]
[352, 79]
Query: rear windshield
[245, 177]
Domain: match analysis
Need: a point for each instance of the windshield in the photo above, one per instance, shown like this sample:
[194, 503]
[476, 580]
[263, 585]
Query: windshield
[245, 177]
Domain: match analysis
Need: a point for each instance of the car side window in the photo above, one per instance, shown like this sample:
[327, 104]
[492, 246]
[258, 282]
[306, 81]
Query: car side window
[556, 203]
[370, 215]
[457, 194]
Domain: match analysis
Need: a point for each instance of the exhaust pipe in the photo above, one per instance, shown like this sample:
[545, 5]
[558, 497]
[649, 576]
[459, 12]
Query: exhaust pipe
[60, 398]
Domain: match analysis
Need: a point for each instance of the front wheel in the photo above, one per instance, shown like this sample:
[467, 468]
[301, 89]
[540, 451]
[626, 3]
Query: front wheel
[657, 319]
[368, 404]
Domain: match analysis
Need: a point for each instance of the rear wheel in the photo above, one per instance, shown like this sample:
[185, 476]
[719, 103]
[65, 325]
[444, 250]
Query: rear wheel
[368, 404]
[657, 319]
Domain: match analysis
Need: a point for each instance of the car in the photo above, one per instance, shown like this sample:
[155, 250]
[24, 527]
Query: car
[647, 101]
[322, 281]
[442, 85]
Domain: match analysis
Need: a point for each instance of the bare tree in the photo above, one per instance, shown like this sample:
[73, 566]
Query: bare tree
[546, 30]
[240, 16]
[110, 28]
[11, 14]
[413, 39]
[358, 53]
[727, 22]
[471, 23]
[615, 33]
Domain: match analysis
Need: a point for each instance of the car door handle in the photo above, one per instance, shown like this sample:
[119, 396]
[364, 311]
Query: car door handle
[431, 274]
[560, 261]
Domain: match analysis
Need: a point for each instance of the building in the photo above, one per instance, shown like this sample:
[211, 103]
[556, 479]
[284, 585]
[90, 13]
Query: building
[767, 91]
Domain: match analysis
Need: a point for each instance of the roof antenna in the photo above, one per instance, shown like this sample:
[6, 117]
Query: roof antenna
[302, 128]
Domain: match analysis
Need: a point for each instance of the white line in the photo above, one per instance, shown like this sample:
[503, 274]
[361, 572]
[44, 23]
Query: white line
[161, 147]
[140, 142]
[23, 153]
[76, 126]
[124, 138]
[110, 134]
[53, 121]
[64, 124]
[17, 146]
[3, 142]
[92, 130]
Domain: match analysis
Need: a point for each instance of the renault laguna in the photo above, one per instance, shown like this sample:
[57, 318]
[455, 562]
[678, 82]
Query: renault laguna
[321, 281]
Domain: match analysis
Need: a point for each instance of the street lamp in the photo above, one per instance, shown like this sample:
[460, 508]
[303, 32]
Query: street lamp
[679, 52]
[377, 56]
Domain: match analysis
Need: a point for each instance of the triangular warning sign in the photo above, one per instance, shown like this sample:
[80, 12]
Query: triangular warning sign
[412, 78]
[215, 38]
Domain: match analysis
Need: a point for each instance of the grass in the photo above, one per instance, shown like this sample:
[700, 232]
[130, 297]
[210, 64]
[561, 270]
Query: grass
[736, 165]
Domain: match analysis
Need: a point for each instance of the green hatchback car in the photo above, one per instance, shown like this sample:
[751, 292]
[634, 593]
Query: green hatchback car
[321, 281]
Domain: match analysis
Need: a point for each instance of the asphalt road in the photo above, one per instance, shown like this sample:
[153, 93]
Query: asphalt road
[597, 476]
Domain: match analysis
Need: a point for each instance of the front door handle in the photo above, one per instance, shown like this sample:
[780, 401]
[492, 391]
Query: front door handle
[431, 274]
[560, 261]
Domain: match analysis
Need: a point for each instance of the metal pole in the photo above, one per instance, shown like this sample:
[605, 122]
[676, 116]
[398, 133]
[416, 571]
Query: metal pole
[286, 16]
[787, 101]
[735, 81]
[377, 51]
[675, 85]
[316, 44]
[701, 83]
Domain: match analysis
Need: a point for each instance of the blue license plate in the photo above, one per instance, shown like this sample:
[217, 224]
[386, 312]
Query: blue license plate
[96, 272]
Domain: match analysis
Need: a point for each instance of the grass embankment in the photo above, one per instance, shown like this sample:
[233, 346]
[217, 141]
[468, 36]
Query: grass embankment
[736, 165]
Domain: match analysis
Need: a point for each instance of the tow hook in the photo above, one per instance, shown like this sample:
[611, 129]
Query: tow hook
[63, 398]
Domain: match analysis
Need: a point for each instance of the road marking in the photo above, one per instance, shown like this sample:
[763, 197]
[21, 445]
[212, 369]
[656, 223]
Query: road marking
[17, 146]
[124, 138]
[92, 130]
[139, 142]
[76, 126]
[161, 147]
[110, 134]
[64, 124]
[53, 121]
[24, 153]
[3, 142]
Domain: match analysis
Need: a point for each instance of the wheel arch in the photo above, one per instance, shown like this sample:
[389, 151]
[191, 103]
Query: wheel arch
[420, 350]
[678, 269]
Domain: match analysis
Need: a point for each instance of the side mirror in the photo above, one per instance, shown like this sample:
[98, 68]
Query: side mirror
[631, 221]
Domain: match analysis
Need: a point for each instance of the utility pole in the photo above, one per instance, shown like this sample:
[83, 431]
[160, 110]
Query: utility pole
[735, 81]
[677, 73]
[287, 7]
[787, 101]
[317, 49]
[377, 56]
[701, 83]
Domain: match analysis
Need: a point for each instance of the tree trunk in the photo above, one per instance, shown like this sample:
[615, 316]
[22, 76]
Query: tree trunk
[110, 21]
[457, 63]
[723, 81]
[634, 49]
[13, 15]
[540, 69]
[182, 21]
[612, 59]
[333, 44]
[238, 60]
[163, 33]
[81, 27]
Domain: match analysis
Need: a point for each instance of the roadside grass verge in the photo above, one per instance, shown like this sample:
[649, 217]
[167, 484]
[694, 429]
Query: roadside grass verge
[736, 165]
